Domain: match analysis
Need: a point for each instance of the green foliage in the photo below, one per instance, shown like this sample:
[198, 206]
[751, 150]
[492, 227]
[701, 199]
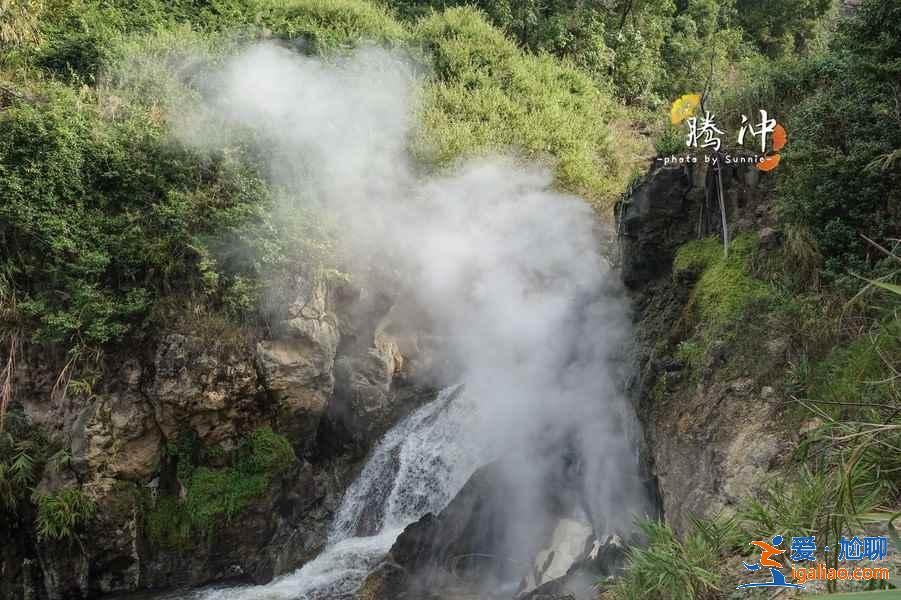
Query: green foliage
[19, 22]
[847, 119]
[489, 97]
[857, 372]
[81, 38]
[801, 507]
[24, 451]
[827, 503]
[100, 217]
[850, 452]
[690, 353]
[575, 30]
[215, 495]
[779, 27]
[330, 24]
[63, 512]
[265, 451]
[17, 471]
[168, 524]
[670, 142]
[725, 289]
[671, 568]
[696, 255]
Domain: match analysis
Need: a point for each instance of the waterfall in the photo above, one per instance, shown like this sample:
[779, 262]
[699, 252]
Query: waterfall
[417, 468]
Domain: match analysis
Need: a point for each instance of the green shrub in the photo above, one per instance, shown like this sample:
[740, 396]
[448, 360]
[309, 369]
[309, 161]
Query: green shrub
[62, 513]
[217, 495]
[831, 181]
[24, 452]
[859, 372]
[331, 23]
[265, 451]
[17, 470]
[490, 97]
[825, 501]
[99, 217]
[779, 27]
[670, 142]
[167, 523]
[670, 568]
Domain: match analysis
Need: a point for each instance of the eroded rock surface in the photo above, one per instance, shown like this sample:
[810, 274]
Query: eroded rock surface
[329, 376]
[712, 431]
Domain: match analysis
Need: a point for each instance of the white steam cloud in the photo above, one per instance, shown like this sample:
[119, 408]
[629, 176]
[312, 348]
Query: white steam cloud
[507, 269]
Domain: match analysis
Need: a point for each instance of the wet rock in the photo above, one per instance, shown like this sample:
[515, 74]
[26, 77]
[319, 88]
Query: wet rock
[459, 544]
[598, 560]
[296, 365]
[363, 389]
[567, 546]
[650, 222]
[382, 582]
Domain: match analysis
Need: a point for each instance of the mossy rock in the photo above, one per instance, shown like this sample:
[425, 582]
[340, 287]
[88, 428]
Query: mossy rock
[213, 496]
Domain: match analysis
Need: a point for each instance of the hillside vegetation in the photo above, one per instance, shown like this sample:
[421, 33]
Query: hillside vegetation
[112, 230]
[103, 213]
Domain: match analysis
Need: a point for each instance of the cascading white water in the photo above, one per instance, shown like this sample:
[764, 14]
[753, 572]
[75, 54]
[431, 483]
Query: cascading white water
[417, 468]
[505, 268]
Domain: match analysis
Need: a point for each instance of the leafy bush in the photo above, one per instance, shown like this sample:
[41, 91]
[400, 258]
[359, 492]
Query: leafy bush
[24, 453]
[100, 217]
[328, 24]
[17, 470]
[63, 512]
[832, 181]
[491, 97]
[217, 495]
[726, 288]
[779, 27]
[264, 451]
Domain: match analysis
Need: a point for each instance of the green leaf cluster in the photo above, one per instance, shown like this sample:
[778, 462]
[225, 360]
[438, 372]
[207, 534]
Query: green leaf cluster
[63, 512]
[671, 567]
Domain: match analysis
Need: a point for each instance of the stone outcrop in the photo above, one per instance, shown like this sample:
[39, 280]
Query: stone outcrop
[468, 548]
[332, 374]
[710, 435]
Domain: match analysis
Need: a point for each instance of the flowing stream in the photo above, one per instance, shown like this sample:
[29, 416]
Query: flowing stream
[417, 468]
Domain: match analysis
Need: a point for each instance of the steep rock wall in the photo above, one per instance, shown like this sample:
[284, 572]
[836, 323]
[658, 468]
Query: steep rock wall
[712, 433]
[161, 426]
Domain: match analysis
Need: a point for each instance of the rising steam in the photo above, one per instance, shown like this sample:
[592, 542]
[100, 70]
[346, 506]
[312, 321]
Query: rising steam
[507, 269]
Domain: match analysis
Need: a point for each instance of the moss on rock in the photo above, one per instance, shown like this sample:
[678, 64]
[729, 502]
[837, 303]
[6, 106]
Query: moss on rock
[213, 496]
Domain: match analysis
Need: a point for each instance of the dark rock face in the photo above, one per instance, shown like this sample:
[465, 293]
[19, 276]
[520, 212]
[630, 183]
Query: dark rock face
[652, 223]
[330, 397]
[468, 548]
[707, 440]
[439, 551]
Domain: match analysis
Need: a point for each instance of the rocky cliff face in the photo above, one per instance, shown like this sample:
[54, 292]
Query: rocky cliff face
[711, 430]
[164, 443]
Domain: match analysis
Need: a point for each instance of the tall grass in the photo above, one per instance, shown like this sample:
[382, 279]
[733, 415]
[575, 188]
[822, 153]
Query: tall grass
[670, 567]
